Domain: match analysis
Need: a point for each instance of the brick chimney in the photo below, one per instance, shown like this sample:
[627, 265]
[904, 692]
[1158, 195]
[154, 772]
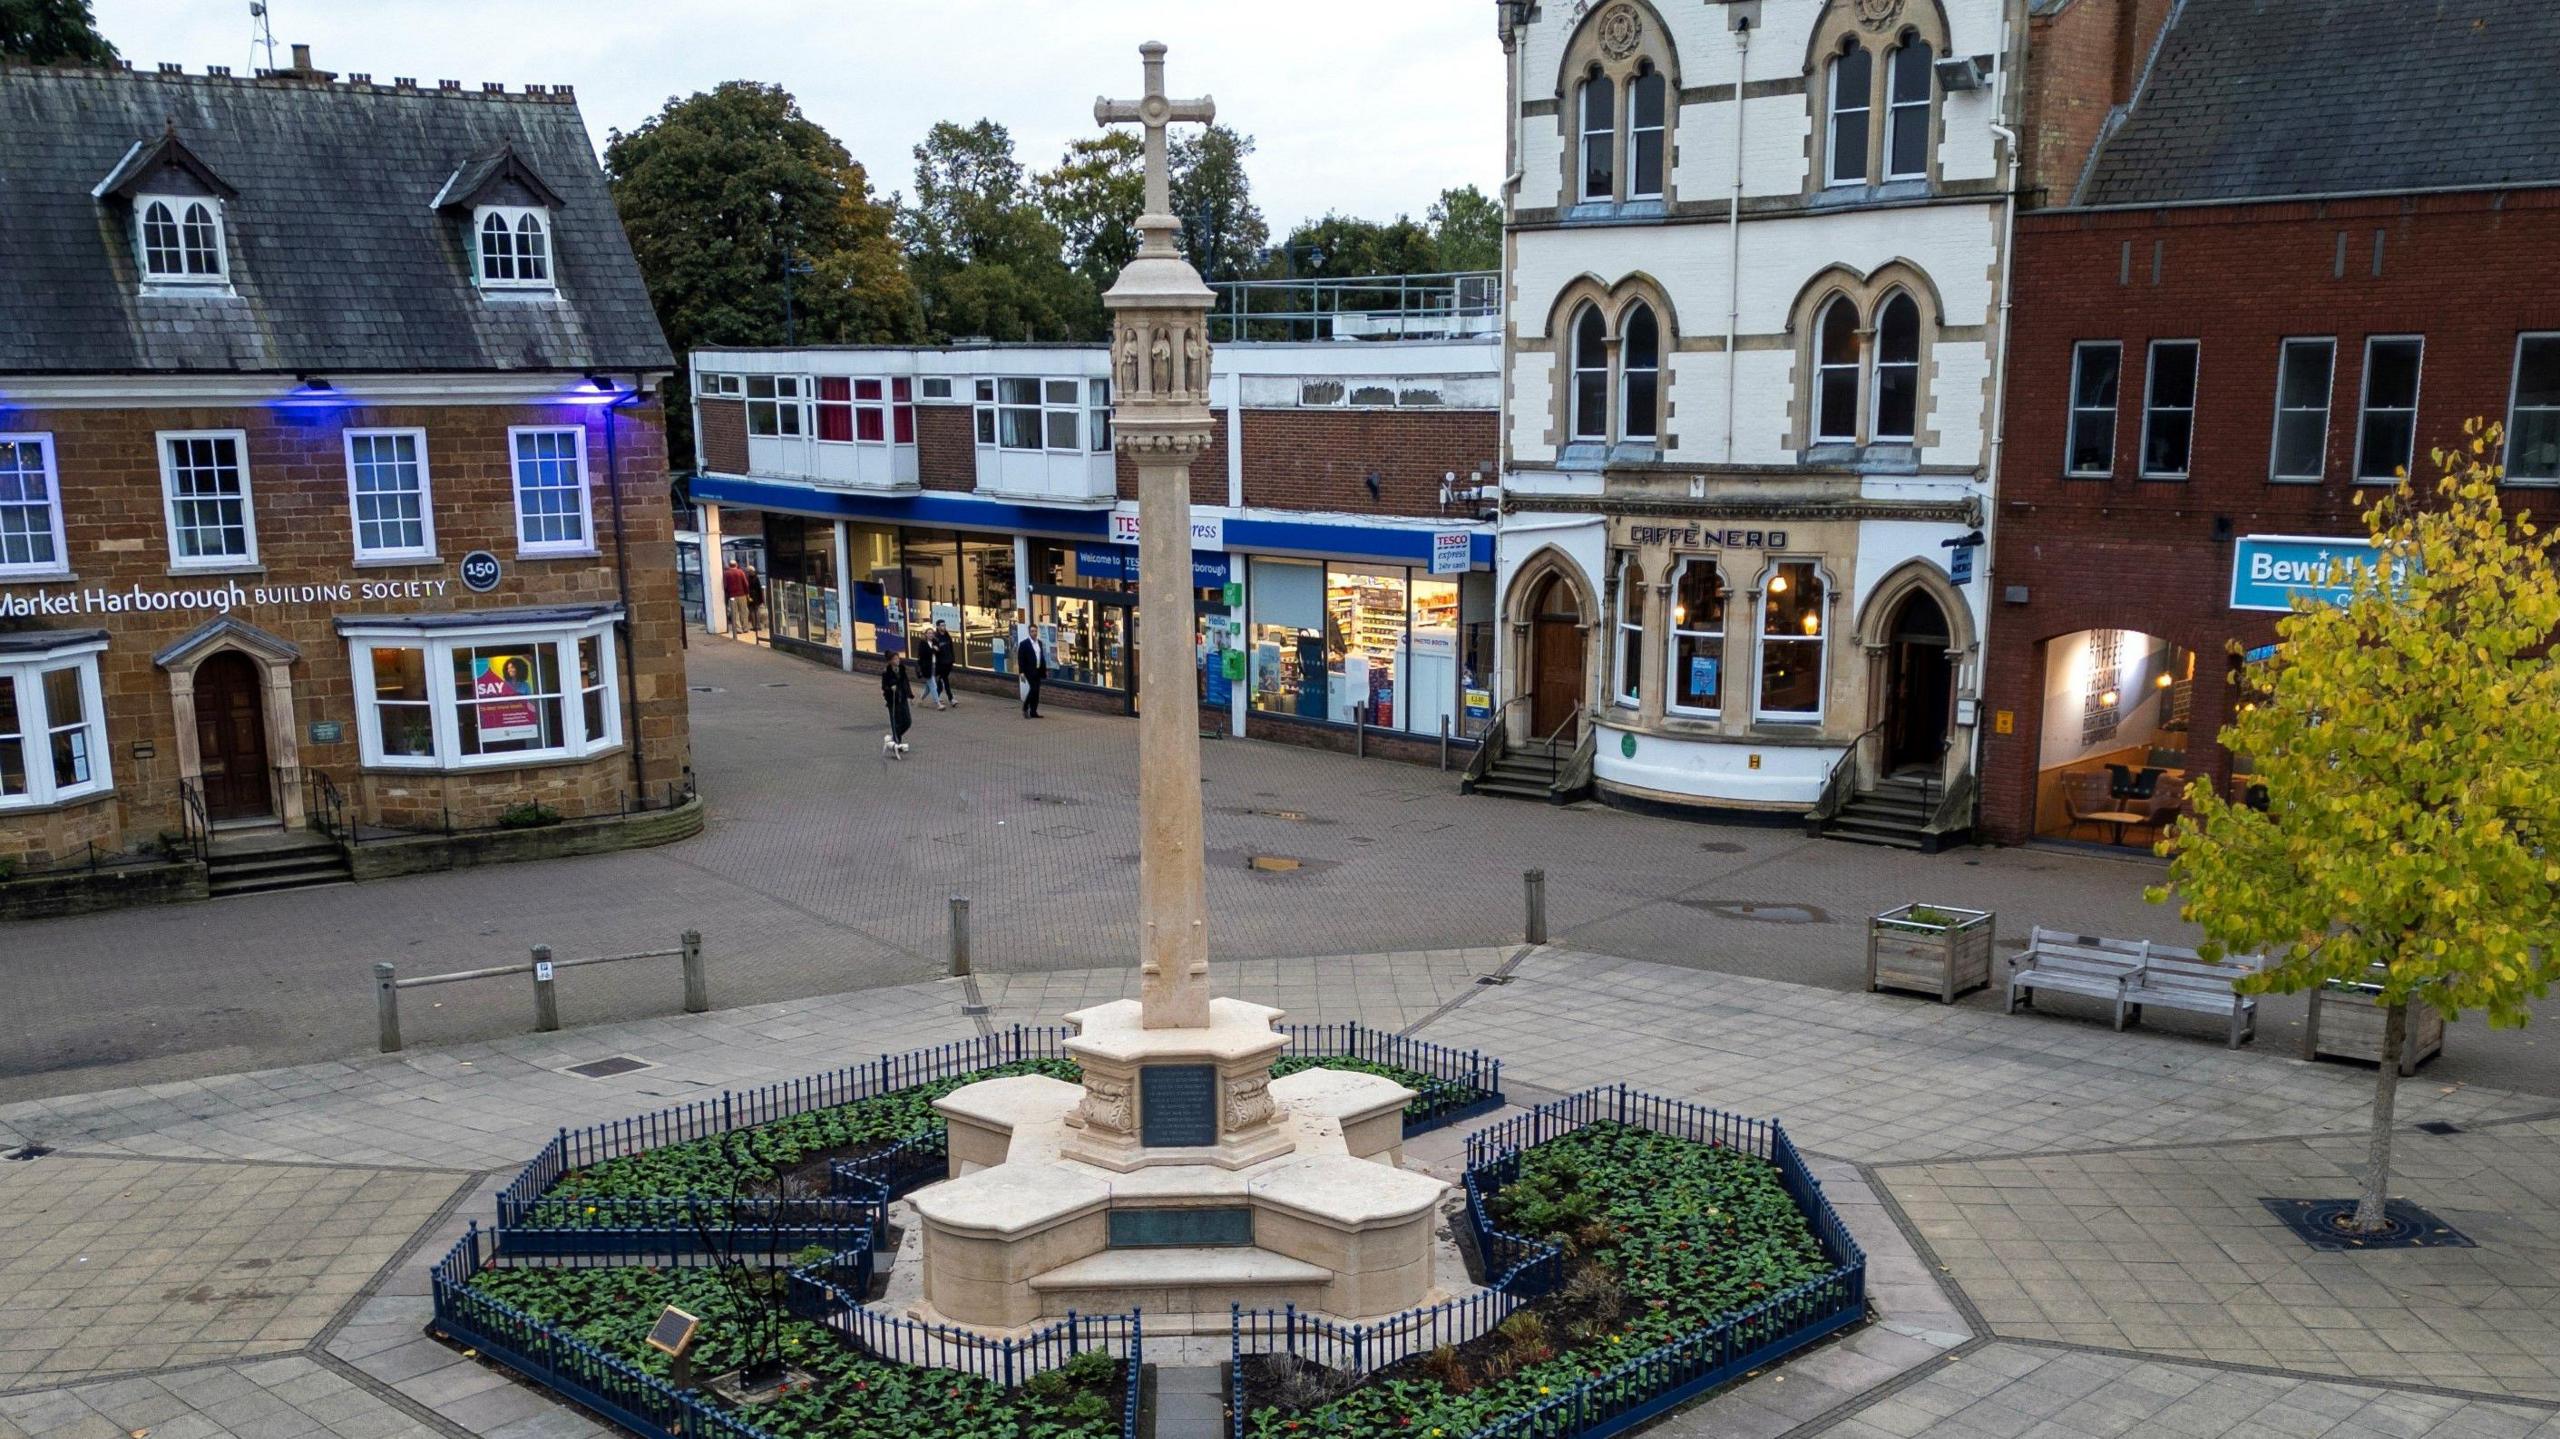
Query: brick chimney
[302, 69]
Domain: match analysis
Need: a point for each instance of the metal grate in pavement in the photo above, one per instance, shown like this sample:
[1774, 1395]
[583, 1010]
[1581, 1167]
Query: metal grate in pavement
[608, 1068]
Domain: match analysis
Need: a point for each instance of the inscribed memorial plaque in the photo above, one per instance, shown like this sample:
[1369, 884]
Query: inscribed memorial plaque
[1178, 1106]
[1180, 1228]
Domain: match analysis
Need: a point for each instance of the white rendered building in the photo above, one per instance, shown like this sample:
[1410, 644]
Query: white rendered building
[1752, 352]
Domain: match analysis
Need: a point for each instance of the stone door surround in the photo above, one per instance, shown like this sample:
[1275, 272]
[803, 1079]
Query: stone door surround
[275, 659]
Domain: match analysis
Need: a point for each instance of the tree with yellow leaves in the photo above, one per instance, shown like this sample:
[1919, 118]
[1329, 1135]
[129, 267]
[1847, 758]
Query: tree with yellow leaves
[2408, 755]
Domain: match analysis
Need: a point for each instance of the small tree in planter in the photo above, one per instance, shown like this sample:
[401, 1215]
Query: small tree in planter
[1930, 949]
[2407, 755]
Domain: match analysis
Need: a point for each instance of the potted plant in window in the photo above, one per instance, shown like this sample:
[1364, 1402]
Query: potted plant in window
[1930, 949]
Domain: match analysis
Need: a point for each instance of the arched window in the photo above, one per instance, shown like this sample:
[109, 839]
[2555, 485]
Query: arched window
[162, 255]
[1791, 643]
[497, 250]
[1647, 109]
[533, 250]
[1697, 638]
[1897, 384]
[1599, 139]
[1630, 689]
[1912, 76]
[1852, 105]
[201, 238]
[1835, 381]
[1640, 375]
[1590, 375]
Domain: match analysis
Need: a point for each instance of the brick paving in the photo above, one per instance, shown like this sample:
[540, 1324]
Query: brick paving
[825, 870]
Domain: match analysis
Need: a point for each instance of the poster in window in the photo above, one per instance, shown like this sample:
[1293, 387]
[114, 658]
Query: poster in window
[503, 685]
[1702, 675]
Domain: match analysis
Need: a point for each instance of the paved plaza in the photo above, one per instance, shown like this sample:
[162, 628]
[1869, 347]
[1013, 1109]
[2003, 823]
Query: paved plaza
[825, 869]
[2062, 1223]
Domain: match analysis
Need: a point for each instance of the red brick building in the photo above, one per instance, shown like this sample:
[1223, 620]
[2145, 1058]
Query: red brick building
[1343, 550]
[2286, 272]
[331, 485]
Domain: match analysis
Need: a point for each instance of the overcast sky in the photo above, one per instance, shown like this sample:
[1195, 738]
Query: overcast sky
[1369, 107]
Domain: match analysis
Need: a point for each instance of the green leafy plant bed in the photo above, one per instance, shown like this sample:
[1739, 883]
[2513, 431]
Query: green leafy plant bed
[792, 1153]
[1662, 1238]
[850, 1396]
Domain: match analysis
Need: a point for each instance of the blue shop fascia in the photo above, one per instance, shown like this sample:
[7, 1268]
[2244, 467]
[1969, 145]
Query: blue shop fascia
[1299, 619]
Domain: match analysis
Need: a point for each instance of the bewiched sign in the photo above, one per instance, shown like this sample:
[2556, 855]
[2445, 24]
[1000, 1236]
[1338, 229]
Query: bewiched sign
[1178, 1106]
[2267, 571]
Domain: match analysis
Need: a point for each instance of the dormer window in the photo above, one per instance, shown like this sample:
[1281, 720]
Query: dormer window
[181, 239]
[515, 248]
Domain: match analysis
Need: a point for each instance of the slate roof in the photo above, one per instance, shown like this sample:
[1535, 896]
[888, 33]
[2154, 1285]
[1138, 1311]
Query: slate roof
[2251, 98]
[340, 262]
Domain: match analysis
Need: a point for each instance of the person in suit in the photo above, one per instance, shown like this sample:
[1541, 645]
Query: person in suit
[1033, 666]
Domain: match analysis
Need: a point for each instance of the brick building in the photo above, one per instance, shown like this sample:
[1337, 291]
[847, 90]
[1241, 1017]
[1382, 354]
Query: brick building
[2287, 271]
[1342, 552]
[1752, 283]
[331, 488]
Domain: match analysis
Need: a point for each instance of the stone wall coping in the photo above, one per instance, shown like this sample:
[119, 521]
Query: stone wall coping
[1345, 1193]
[1012, 1199]
[1179, 1268]
[1008, 1103]
[1343, 1095]
[1237, 1032]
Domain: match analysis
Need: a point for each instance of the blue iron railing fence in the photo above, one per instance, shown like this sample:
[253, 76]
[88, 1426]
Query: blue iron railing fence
[1521, 1269]
[1461, 1084]
[826, 1292]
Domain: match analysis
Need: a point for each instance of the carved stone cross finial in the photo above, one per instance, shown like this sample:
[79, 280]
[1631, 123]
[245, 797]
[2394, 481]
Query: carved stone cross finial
[1156, 112]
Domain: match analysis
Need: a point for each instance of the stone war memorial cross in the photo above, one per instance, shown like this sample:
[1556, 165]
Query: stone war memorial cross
[1160, 416]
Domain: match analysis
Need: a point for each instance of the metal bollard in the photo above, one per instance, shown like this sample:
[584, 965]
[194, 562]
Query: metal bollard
[1444, 744]
[546, 997]
[959, 937]
[1360, 731]
[386, 1005]
[1533, 887]
[697, 983]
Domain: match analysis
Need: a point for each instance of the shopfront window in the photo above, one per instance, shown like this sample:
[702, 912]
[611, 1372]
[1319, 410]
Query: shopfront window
[1286, 631]
[802, 598]
[1322, 641]
[1366, 611]
[1087, 639]
[1431, 663]
[1791, 643]
[1697, 638]
[1475, 659]
[1630, 655]
[486, 698]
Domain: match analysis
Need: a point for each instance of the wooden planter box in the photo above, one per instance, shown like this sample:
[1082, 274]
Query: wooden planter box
[1946, 953]
[2346, 1023]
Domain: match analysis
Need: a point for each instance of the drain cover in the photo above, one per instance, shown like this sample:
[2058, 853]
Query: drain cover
[1759, 912]
[2440, 1126]
[32, 1151]
[1494, 978]
[608, 1068]
[1721, 846]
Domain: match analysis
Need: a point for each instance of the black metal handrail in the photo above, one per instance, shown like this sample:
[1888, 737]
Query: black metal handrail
[194, 828]
[1841, 784]
[325, 806]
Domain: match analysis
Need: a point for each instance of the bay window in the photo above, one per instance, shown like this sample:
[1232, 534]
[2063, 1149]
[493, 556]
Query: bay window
[1791, 643]
[1098, 418]
[53, 736]
[1630, 666]
[471, 691]
[1697, 638]
[870, 411]
[30, 508]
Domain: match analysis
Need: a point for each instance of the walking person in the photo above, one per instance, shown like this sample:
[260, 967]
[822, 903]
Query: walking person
[733, 585]
[1033, 666]
[898, 694]
[941, 655]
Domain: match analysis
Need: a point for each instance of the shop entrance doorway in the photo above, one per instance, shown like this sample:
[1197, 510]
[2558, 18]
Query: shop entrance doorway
[231, 739]
[2111, 762]
[1556, 663]
[1920, 687]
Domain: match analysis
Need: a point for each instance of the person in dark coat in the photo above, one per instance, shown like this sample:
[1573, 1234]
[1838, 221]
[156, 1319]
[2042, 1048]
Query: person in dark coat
[1033, 666]
[899, 695]
[941, 657]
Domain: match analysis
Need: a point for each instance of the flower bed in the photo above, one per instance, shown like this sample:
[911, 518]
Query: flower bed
[849, 1395]
[1639, 1252]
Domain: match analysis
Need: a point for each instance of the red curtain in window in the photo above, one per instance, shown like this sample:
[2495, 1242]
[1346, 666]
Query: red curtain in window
[903, 411]
[835, 411]
[868, 423]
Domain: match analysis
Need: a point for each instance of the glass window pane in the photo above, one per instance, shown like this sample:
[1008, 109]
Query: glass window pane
[1644, 404]
[1642, 347]
[2097, 367]
[2093, 441]
[1911, 72]
[1898, 332]
[1062, 392]
[2173, 376]
[1287, 637]
[1599, 139]
[1590, 405]
[1365, 614]
[1018, 391]
[26, 507]
[1062, 429]
[1018, 429]
[1897, 401]
[2164, 450]
[2306, 375]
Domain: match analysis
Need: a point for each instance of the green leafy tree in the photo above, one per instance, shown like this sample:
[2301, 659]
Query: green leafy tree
[2408, 751]
[1340, 247]
[1223, 232]
[52, 32]
[1466, 229]
[988, 259]
[718, 192]
[1094, 198]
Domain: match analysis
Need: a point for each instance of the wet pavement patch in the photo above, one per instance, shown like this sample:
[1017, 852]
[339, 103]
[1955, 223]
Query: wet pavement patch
[608, 1068]
[1278, 866]
[1723, 846]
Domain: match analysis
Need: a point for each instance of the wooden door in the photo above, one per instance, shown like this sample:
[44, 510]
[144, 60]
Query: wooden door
[1920, 687]
[231, 738]
[1555, 664]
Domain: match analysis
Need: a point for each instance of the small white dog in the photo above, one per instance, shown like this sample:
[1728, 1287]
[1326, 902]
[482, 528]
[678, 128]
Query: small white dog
[891, 749]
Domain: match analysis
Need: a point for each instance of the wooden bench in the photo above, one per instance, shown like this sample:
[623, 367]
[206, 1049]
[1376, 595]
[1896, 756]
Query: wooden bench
[2077, 964]
[2182, 979]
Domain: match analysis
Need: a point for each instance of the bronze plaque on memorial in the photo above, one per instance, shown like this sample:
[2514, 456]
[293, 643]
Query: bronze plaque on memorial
[1178, 1106]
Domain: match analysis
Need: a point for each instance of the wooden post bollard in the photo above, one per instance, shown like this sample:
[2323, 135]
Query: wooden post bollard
[386, 1005]
[959, 937]
[546, 997]
[1533, 886]
[697, 984]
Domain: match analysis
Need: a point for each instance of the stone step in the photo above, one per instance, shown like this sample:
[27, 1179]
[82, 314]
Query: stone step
[1175, 1282]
